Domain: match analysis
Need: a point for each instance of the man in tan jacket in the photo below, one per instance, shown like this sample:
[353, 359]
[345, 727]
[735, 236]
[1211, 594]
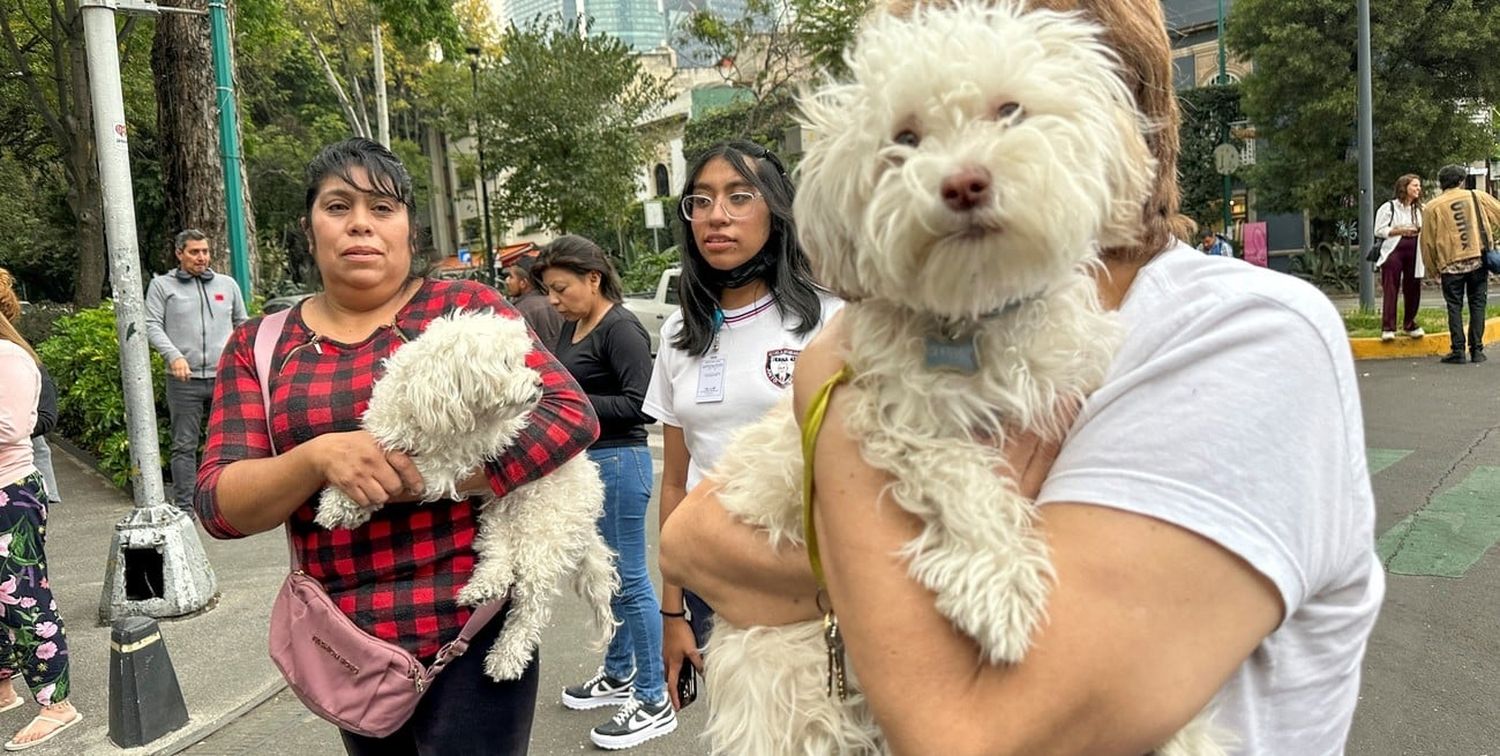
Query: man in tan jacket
[1453, 235]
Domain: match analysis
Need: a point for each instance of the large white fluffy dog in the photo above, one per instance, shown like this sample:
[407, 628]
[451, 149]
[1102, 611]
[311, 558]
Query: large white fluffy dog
[453, 398]
[958, 190]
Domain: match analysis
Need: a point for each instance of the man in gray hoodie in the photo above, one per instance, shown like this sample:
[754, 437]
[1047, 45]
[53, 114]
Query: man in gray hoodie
[190, 313]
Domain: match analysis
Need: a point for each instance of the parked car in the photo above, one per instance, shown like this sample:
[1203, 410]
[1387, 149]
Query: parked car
[653, 308]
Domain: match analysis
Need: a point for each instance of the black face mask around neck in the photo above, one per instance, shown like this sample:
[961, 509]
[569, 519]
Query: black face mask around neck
[745, 273]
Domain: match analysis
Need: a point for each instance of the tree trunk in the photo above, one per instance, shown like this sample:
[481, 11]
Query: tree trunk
[187, 119]
[84, 197]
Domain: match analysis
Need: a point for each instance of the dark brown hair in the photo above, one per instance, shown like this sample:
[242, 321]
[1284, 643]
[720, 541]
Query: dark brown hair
[580, 257]
[1399, 192]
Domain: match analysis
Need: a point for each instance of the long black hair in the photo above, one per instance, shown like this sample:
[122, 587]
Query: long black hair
[789, 275]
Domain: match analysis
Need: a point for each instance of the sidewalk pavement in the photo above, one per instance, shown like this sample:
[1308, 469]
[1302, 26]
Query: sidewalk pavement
[219, 655]
[1432, 296]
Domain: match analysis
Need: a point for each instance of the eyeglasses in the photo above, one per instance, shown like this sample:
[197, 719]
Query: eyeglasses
[737, 205]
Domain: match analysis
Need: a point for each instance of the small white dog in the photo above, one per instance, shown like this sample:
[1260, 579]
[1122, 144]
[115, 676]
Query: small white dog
[957, 192]
[453, 398]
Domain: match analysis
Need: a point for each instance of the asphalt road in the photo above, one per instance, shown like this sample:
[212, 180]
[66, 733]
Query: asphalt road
[1432, 675]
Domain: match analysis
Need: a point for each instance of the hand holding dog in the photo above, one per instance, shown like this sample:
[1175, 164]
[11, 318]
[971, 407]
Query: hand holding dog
[369, 475]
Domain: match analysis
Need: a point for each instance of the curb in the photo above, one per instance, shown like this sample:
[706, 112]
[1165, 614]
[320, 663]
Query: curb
[1433, 345]
[181, 740]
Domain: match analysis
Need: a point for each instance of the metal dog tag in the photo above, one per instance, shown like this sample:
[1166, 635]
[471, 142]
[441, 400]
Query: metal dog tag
[959, 354]
[837, 684]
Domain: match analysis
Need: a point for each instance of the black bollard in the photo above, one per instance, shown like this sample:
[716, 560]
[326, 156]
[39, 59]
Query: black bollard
[145, 701]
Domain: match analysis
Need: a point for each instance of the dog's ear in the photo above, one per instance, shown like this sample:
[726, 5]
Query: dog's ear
[829, 207]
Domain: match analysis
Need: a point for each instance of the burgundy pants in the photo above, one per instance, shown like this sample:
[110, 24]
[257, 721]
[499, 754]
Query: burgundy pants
[1399, 276]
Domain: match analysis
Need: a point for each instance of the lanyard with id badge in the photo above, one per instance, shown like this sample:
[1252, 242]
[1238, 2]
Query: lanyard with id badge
[711, 370]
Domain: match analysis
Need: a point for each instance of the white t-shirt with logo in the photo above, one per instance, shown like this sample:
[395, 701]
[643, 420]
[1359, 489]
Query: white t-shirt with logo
[759, 351]
[1232, 411]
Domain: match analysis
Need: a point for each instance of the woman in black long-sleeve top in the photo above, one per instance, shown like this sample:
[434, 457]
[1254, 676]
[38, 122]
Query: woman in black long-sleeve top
[608, 352]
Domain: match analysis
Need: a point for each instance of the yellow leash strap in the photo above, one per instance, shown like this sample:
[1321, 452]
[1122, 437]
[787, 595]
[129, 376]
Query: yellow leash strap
[812, 424]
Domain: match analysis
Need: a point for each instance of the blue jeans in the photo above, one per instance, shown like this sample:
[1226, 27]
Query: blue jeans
[626, 472]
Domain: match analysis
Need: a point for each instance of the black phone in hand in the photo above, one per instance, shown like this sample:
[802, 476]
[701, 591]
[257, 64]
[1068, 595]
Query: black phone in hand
[687, 684]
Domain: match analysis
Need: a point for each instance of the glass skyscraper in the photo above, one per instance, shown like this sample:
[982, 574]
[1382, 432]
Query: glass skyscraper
[641, 24]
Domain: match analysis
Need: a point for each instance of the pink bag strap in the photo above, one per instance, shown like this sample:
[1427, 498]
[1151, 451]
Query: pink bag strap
[266, 339]
[456, 648]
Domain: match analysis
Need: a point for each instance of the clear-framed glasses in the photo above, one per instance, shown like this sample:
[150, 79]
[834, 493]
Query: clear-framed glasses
[737, 205]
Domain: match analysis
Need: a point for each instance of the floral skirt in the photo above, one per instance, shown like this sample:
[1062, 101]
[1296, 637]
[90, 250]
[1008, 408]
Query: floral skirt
[33, 640]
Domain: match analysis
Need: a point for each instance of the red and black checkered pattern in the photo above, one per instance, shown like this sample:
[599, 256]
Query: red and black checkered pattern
[397, 575]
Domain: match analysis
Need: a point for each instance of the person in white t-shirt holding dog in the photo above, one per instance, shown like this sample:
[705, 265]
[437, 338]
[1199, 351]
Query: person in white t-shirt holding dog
[1209, 515]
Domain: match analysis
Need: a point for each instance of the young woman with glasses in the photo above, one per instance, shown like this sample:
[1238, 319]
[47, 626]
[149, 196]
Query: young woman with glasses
[749, 305]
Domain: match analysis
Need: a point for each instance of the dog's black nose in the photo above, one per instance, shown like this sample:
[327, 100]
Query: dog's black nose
[967, 188]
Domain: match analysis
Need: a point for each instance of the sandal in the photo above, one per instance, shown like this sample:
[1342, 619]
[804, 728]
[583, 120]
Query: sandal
[15, 703]
[12, 745]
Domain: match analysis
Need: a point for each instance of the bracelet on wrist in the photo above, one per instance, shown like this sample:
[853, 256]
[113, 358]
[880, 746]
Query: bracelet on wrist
[680, 615]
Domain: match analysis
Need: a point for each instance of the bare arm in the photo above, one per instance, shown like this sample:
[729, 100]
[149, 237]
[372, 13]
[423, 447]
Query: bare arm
[1176, 624]
[674, 467]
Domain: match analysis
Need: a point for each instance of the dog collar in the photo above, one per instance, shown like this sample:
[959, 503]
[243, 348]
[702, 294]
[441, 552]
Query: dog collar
[955, 346]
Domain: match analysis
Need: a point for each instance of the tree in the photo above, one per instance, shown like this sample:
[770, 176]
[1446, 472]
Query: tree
[1205, 112]
[1434, 89]
[559, 117]
[42, 43]
[188, 126]
[774, 47]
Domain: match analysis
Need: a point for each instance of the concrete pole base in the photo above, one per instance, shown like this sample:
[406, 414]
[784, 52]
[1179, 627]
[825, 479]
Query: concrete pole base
[156, 567]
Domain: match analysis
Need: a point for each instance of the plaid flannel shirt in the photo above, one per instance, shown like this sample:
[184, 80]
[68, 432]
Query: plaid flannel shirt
[396, 576]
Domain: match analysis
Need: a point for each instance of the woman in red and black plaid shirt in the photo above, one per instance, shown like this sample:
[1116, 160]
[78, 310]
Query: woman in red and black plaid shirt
[397, 575]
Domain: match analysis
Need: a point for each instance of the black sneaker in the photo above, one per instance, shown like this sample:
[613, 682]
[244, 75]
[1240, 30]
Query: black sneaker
[635, 723]
[600, 690]
[1456, 358]
[1477, 356]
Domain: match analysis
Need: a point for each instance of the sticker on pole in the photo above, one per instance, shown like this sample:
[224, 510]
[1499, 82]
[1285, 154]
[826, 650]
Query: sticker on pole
[120, 132]
[1226, 159]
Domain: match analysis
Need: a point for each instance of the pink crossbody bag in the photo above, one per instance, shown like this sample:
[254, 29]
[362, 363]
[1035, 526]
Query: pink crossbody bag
[343, 674]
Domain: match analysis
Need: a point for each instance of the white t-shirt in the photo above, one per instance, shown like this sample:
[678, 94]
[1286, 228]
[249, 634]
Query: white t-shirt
[1232, 411]
[759, 350]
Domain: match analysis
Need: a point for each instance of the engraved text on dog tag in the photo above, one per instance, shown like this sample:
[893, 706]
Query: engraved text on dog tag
[960, 354]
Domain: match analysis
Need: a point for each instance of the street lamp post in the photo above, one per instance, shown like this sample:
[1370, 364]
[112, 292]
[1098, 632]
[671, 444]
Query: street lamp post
[1366, 162]
[1224, 127]
[484, 189]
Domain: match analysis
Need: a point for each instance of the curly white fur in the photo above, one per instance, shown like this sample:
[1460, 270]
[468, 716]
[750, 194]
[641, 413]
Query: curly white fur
[453, 398]
[1069, 172]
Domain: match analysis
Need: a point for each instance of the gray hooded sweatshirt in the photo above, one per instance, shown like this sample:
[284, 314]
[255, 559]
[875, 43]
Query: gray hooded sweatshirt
[192, 317]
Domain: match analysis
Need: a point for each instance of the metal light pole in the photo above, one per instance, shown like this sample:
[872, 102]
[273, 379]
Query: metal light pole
[156, 565]
[484, 184]
[229, 147]
[1224, 127]
[1366, 162]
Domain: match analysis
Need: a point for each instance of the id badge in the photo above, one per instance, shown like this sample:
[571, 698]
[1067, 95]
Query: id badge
[711, 380]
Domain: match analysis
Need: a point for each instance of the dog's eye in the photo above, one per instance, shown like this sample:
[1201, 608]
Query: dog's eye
[1007, 110]
[907, 138]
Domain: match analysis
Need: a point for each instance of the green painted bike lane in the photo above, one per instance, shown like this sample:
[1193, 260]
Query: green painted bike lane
[1451, 533]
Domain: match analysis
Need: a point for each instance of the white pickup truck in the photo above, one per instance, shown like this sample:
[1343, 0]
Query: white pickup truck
[653, 310]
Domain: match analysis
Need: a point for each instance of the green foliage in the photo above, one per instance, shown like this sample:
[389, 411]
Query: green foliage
[1434, 78]
[628, 240]
[1206, 113]
[762, 122]
[825, 28]
[559, 118]
[83, 356]
[1366, 323]
[645, 273]
[1331, 266]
